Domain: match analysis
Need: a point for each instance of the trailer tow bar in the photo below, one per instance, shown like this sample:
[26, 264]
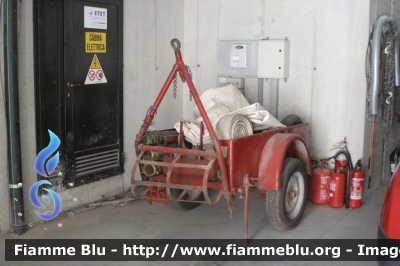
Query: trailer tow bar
[246, 184]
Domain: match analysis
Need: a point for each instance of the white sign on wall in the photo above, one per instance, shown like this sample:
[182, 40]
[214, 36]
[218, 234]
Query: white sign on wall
[95, 17]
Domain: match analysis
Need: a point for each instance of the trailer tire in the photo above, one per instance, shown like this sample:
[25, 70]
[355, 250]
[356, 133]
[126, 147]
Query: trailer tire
[285, 207]
[196, 195]
[291, 120]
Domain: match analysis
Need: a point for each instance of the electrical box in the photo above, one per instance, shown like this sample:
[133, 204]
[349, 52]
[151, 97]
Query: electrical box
[273, 59]
[237, 82]
[240, 55]
[227, 58]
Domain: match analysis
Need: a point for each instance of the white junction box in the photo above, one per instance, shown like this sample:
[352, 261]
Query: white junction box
[273, 59]
[237, 82]
[239, 56]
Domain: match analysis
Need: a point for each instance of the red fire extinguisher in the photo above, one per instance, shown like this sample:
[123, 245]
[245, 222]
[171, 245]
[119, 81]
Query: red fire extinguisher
[356, 189]
[337, 189]
[320, 189]
[340, 164]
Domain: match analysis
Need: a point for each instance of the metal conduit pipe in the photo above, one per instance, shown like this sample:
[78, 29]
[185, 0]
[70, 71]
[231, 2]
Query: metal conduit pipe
[376, 48]
[17, 215]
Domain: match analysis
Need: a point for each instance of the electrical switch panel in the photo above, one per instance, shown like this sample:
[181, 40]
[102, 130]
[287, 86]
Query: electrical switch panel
[273, 59]
[240, 55]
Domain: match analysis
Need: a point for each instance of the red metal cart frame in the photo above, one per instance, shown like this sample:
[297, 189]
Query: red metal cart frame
[261, 172]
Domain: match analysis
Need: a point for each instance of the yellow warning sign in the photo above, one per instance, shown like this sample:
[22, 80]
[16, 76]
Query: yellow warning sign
[95, 74]
[95, 42]
[95, 63]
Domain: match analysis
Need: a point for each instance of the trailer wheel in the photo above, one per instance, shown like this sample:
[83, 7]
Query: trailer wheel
[195, 195]
[291, 120]
[285, 207]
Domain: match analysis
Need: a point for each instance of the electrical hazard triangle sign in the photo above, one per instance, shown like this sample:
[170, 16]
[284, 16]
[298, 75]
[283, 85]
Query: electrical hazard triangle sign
[95, 74]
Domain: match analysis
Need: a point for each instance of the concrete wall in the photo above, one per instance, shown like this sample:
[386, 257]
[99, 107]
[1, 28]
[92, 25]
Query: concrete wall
[150, 25]
[328, 40]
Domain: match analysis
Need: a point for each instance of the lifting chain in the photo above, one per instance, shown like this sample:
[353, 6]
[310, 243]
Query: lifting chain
[190, 74]
[174, 86]
[387, 90]
[183, 80]
[386, 87]
[145, 125]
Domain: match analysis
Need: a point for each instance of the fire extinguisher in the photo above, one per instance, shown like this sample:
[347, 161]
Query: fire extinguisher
[337, 189]
[340, 163]
[356, 188]
[320, 189]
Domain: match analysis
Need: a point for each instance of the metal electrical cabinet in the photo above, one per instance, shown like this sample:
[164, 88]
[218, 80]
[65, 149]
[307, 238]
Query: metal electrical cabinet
[78, 87]
[275, 55]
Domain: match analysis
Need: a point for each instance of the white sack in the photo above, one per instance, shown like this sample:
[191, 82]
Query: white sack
[260, 117]
[228, 96]
[225, 107]
[191, 131]
[266, 122]
[215, 112]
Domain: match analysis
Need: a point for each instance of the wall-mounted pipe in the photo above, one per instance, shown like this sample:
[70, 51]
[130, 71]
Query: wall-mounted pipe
[17, 215]
[376, 49]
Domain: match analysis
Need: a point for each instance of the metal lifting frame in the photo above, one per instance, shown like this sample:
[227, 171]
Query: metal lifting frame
[180, 67]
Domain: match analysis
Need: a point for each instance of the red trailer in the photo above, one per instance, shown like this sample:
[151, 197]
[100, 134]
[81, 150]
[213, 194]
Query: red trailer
[275, 162]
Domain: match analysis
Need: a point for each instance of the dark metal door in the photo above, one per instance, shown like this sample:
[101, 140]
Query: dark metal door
[93, 90]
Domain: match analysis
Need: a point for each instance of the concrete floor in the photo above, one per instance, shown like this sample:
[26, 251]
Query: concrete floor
[139, 220]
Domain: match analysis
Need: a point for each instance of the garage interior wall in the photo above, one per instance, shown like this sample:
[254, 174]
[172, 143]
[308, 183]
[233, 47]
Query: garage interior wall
[326, 87]
[328, 39]
[149, 26]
